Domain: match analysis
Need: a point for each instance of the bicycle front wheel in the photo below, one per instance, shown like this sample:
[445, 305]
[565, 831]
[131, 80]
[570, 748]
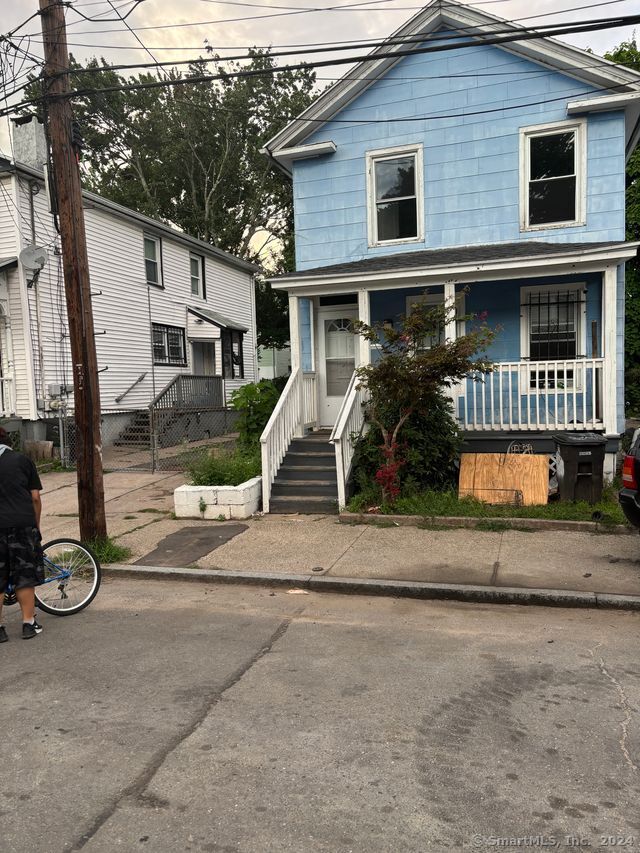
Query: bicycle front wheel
[71, 577]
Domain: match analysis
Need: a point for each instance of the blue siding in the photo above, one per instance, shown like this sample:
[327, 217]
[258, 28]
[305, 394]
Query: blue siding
[501, 301]
[471, 163]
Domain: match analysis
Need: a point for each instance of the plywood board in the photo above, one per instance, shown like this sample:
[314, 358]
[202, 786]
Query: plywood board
[505, 478]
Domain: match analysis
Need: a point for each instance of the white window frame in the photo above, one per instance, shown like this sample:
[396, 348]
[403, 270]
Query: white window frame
[372, 218]
[201, 292]
[579, 126]
[158, 259]
[438, 299]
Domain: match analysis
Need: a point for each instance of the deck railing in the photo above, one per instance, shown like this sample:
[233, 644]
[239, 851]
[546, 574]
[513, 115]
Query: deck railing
[7, 405]
[534, 395]
[190, 392]
[284, 423]
[310, 401]
[349, 425]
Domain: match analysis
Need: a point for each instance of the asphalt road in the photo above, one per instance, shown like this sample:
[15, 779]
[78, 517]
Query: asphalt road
[171, 717]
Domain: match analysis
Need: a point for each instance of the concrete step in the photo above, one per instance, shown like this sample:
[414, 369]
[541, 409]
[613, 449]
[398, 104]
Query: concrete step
[307, 472]
[304, 490]
[303, 505]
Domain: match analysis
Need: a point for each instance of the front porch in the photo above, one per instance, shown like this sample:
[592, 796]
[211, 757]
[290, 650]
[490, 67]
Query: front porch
[557, 355]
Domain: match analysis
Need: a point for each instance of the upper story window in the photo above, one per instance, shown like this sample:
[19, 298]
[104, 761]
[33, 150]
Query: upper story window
[395, 195]
[169, 345]
[153, 260]
[553, 166]
[196, 263]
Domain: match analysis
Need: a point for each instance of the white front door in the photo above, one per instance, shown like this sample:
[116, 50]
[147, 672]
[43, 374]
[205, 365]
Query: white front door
[336, 359]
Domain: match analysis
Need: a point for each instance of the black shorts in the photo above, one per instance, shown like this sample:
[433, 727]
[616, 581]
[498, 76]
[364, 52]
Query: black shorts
[21, 562]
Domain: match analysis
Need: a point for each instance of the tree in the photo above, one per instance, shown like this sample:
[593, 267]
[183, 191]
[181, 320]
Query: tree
[628, 54]
[190, 155]
[417, 364]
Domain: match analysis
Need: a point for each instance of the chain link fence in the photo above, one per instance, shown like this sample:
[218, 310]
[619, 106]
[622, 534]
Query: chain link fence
[141, 440]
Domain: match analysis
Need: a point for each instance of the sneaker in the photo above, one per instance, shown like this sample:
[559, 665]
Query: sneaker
[4, 637]
[30, 629]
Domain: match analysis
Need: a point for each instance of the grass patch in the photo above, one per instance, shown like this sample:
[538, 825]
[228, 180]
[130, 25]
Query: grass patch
[225, 469]
[433, 504]
[107, 551]
[152, 509]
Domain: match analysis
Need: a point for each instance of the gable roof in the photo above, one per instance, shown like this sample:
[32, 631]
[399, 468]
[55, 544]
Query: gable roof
[549, 52]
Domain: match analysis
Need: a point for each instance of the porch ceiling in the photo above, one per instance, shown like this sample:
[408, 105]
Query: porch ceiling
[463, 263]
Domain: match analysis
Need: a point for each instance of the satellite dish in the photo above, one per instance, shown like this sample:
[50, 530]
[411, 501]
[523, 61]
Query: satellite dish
[32, 258]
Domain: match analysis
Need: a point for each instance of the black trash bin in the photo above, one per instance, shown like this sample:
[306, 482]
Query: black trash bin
[580, 466]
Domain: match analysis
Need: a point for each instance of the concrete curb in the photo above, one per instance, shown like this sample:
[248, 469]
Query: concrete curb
[472, 522]
[392, 588]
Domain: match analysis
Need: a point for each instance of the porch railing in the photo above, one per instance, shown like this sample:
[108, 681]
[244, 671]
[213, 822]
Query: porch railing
[284, 423]
[7, 405]
[349, 425]
[534, 395]
[190, 392]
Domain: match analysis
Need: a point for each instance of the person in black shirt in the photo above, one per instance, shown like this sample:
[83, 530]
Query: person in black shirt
[21, 561]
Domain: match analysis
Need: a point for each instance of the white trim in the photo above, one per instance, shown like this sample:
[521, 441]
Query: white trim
[578, 287]
[609, 333]
[193, 256]
[579, 126]
[583, 260]
[603, 104]
[371, 158]
[286, 156]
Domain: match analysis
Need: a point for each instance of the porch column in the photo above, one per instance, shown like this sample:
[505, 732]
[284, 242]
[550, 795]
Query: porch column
[609, 335]
[363, 355]
[450, 332]
[296, 356]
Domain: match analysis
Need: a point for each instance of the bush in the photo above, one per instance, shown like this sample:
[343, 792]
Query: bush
[428, 447]
[225, 469]
[254, 402]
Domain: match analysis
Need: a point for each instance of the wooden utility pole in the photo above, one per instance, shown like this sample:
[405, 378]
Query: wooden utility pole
[66, 180]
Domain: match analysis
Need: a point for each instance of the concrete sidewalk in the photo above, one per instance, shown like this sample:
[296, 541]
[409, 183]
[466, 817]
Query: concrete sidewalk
[139, 508]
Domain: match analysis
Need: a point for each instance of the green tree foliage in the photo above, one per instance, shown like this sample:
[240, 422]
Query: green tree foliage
[189, 155]
[628, 54]
[254, 403]
[416, 366]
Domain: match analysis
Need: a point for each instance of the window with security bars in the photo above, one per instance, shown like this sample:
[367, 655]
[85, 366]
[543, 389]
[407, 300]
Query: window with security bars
[168, 345]
[553, 328]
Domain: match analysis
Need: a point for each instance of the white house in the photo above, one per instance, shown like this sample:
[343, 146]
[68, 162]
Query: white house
[165, 305]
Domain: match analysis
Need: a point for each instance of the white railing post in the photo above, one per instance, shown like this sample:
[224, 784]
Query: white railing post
[350, 422]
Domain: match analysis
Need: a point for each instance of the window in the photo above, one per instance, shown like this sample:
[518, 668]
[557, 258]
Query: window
[168, 345]
[553, 329]
[232, 354]
[395, 196]
[553, 176]
[196, 263]
[153, 260]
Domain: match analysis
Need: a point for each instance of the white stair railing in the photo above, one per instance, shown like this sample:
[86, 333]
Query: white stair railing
[284, 423]
[7, 402]
[350, 424]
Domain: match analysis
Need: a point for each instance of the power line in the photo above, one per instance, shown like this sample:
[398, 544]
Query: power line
[519, 35]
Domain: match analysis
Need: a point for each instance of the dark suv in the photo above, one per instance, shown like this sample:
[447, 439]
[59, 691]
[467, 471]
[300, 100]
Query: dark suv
[630, 494]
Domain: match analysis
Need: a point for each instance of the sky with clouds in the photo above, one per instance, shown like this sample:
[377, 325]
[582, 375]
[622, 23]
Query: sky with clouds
[178, 30]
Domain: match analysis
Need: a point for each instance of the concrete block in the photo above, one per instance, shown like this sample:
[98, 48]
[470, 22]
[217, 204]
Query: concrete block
[235, 502]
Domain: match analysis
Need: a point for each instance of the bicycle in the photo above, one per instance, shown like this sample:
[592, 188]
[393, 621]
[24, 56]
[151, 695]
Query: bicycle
[72, 578]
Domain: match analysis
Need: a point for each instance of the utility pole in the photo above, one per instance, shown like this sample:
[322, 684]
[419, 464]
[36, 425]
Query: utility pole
[66, 177]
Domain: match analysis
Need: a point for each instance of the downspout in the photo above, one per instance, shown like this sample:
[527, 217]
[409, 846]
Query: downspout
[34, 189]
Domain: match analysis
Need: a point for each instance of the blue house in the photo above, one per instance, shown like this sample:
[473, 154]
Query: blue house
[458, 163]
